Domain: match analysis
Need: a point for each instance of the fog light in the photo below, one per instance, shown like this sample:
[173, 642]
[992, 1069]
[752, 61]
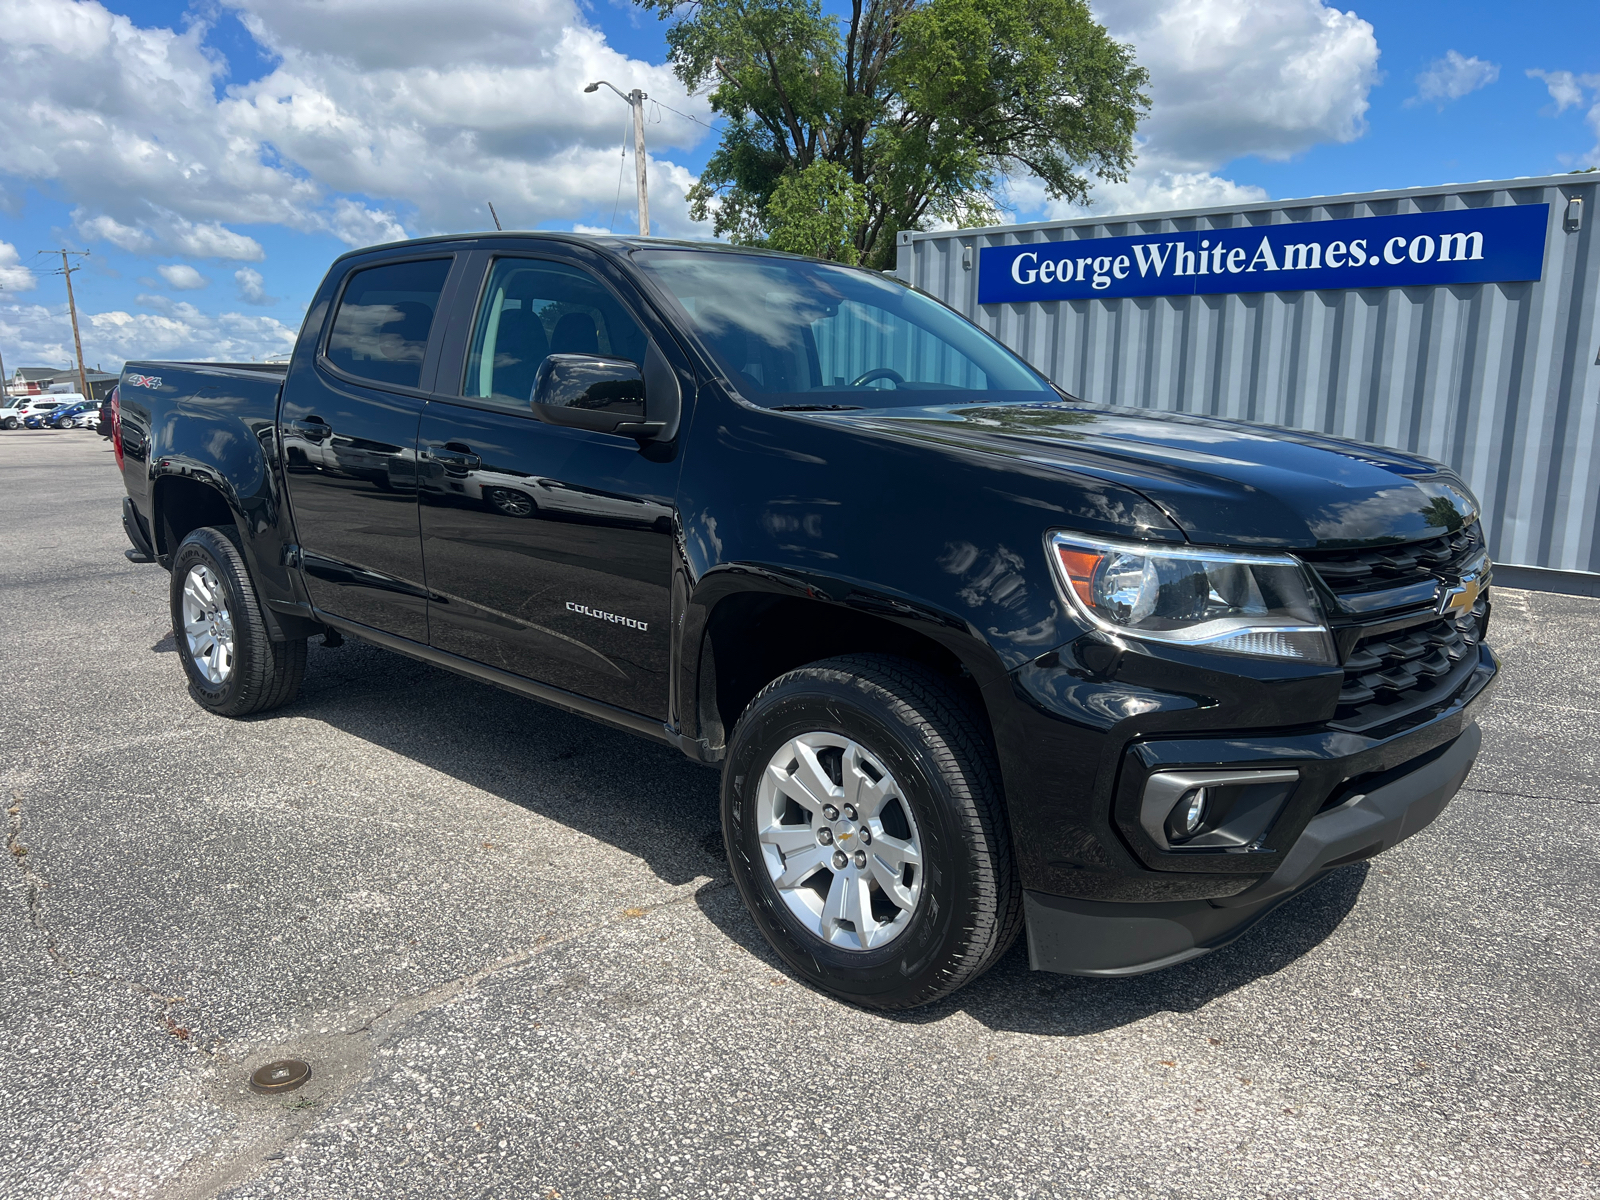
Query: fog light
[1190, 813]
[1212, 811]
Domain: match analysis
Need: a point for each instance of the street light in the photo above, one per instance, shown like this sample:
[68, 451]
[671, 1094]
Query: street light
[635, 100]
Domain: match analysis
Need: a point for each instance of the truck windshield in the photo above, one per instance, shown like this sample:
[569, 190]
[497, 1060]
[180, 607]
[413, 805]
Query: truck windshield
[798, 334]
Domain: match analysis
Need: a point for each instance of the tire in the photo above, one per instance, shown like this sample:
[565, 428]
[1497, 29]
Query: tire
[928, 747]
[259, 674]
[8, 423]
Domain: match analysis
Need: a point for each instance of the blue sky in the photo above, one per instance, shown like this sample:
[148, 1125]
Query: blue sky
[214, 157]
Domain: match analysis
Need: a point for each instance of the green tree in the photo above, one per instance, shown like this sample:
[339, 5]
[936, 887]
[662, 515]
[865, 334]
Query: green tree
[817, 210]
[925, 105]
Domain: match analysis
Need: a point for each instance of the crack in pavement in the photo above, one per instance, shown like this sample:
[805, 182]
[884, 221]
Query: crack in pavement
[1525, 796]
[33, 882]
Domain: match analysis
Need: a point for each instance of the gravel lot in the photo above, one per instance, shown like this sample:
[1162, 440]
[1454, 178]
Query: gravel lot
[505, 939]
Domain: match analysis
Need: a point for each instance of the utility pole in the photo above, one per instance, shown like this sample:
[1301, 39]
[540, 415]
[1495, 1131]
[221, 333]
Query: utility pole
[5, 384]
[635, 100]
[77, 342]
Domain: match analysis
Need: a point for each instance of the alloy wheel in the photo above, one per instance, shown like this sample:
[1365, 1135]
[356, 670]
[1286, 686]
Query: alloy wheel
[513, 504]
[839, 841]
[207, 624]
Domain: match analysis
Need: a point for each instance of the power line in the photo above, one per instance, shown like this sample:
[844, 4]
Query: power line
[622, 170]
[684, 115]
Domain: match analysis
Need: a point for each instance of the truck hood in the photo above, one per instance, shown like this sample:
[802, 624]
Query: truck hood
[1221, 482]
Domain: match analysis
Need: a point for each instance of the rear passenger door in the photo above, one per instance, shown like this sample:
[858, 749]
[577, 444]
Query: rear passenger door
[548, 549]
[349, 428]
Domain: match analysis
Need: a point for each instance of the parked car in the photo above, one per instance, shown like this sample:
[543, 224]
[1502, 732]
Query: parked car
[83, 415]
[19, 408]
[972, 656]
[31, 412]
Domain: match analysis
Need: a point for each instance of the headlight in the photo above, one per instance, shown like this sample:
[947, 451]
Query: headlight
[1237, 603]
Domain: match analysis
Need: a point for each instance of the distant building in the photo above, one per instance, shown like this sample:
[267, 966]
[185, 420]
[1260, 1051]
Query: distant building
[100, 383]
[30, 381]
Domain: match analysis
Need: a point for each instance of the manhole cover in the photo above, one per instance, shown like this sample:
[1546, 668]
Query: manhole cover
[282, 1076]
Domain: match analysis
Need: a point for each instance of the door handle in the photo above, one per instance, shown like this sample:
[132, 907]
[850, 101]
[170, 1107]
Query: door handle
[313, 429]
[456, 455]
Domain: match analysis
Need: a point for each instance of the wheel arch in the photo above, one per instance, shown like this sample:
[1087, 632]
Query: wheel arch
[182, 504]
[747, 636]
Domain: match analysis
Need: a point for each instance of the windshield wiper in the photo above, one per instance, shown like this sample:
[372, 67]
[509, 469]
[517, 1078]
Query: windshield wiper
[816, 408]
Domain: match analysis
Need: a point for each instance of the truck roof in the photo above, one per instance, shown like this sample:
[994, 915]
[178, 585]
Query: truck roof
[610, 241]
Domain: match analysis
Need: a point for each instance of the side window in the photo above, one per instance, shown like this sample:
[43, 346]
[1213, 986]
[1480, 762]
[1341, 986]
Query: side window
[533, 308]
[381, 329]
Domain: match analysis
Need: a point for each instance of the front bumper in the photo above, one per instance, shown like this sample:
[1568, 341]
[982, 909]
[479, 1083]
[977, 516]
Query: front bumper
[1090, 937]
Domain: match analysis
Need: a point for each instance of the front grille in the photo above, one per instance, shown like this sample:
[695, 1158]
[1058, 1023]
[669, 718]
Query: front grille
[1348, 573]
[1400, 655]
[1392, 674]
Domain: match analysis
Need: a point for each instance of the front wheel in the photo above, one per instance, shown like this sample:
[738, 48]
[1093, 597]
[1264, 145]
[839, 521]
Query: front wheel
[862, 810]
[233, 665]
[8, 423]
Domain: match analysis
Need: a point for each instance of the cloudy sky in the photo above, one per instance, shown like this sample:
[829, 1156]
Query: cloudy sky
[213, 156]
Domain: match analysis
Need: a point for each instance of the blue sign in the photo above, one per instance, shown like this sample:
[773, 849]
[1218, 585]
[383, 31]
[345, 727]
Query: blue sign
[1475, 245]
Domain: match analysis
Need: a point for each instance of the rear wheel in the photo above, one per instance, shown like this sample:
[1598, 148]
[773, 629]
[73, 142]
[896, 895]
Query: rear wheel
[233, 665]
[862, 811]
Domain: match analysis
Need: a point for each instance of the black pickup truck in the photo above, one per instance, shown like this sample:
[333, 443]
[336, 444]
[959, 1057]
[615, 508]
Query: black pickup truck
[972, 655]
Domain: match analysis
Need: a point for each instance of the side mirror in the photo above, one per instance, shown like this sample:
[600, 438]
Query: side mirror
[589, 391]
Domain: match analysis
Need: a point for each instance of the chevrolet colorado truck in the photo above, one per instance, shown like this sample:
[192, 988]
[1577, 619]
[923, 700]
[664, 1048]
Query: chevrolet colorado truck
[973, 657]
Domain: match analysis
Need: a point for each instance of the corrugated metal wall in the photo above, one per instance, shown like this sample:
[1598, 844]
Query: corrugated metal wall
[1499, 380]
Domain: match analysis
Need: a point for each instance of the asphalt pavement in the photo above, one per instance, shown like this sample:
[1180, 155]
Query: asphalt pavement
[505, 940]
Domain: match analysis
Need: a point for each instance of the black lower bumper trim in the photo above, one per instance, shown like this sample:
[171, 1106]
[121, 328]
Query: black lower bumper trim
[143, 551]
[1087, 937]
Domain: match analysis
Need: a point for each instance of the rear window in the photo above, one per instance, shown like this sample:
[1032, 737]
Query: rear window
[385, 316]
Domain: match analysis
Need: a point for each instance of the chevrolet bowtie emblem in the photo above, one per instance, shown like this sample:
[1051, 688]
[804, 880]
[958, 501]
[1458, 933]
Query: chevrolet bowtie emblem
[1460, 598]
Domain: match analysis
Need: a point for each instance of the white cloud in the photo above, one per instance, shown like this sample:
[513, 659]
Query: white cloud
[167, 233]
[108, 229]
[1452, 77]
[14, 277]
[1163, 191]
[357, 225]
[1229, 79]
[1567, 91]
[252, 287]
[35, 334]
[377, 118]
[181, 277]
